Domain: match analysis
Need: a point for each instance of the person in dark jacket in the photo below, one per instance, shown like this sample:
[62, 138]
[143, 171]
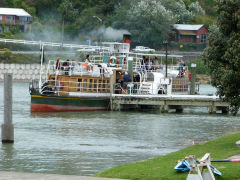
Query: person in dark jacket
[126, 77]
[126, 80]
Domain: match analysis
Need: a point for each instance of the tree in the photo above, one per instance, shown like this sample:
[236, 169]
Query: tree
[223, 53]
[149, 21]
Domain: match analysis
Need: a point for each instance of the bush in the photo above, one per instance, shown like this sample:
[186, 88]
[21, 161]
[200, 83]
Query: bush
[201, 68]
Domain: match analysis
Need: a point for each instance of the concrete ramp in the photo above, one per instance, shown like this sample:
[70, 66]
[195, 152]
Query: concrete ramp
[8, 175]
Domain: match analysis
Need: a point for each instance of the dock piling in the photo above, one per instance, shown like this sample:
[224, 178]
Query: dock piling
[7, 126]
[111, 91]
[193, 79]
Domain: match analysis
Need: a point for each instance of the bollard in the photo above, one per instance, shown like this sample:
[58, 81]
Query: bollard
[7, 126]
[193, 79]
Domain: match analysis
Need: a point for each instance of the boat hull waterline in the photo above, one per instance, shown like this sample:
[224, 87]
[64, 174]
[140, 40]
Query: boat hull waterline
[60, 104]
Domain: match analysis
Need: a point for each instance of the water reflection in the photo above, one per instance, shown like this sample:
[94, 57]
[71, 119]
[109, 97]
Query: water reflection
[86, 143]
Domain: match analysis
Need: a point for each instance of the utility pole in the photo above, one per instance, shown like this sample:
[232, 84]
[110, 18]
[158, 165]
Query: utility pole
[63, 29]
[193, 79]
[166, 49]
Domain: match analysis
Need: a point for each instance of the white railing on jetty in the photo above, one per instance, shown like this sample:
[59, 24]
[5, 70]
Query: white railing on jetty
[53, 44]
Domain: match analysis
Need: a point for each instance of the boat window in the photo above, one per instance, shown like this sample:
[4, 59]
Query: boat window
[108, 86]
[90, 84]
[95, 85]
[100, 85]
[103, 86]
[79, 84]
[85, 84]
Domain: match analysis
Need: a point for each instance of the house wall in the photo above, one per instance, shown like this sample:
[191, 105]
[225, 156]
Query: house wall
[24, 23]
[202, 30]
[189, 38]
[3, 18]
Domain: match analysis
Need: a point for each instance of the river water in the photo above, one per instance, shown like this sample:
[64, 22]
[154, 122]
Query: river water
[84, 143]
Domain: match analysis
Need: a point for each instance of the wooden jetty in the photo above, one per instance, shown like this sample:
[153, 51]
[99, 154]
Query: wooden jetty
[167, 102]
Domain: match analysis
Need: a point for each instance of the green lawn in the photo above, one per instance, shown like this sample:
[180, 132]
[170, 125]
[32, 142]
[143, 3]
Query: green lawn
[161, 168]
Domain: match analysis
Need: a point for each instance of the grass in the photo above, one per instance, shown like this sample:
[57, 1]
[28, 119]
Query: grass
[161, 168]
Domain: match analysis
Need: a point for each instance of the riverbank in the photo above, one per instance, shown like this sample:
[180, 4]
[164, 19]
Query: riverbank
[162, 167]
[203, 78]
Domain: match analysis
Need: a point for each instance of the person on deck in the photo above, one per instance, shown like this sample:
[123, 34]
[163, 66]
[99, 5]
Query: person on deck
[87, 60]
[126, 80]
[66, 67]
[58, 64]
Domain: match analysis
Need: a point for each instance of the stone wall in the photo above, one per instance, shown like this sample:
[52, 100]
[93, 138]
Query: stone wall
[22, 72]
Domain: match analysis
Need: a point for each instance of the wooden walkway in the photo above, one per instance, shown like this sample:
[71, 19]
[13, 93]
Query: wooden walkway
[166, 102]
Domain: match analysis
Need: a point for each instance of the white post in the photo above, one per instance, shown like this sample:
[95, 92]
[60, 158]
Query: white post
[40, 78]
[111, 91]
[169, 87]
[7, 126]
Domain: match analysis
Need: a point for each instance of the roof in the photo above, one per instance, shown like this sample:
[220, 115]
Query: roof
[189, 27]
[13, 12]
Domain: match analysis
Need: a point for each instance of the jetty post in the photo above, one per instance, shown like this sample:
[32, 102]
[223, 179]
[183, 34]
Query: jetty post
[7, 126]
[193, 79]
[111, 91]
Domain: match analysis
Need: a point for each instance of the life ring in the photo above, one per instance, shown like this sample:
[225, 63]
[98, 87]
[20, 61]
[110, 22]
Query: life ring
[117, 61]
[112, 60]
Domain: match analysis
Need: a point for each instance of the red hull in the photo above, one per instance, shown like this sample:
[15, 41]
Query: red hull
[60, 108]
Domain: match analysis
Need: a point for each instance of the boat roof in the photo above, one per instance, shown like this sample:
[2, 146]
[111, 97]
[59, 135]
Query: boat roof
[158, 55]
[14, 12]
[114, 43]
[191, 27]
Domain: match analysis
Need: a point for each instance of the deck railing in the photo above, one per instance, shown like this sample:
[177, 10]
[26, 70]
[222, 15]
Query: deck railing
[66, 87]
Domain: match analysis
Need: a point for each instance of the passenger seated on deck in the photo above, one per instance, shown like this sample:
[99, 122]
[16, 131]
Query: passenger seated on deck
[156, 64]
[149, 64]
[66, 67]
[143, 64]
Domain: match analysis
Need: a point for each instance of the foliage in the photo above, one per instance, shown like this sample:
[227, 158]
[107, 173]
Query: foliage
[222, 54]
[201, 68]
[204, 19]
[3, 25]
[148, 21]
[5, 56]
[162, 167]
[196, 8]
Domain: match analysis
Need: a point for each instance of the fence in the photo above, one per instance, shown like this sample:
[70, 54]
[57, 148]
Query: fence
[22, 72]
